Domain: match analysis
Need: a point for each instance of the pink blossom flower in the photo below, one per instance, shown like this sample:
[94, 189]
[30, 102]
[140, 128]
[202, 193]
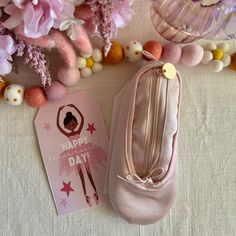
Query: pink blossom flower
[122, 14]
[7, 48]
[37, 17]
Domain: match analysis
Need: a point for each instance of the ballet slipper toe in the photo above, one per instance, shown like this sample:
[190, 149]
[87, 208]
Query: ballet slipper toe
[141, 207]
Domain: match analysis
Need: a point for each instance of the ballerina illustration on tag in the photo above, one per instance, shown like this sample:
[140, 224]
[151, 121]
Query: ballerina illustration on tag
[73, 141]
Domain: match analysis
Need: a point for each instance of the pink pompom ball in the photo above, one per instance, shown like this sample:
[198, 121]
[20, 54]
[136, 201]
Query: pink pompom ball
[171, 53]
[192, 55]
[35, 96]
[68, 76]
[56, 91]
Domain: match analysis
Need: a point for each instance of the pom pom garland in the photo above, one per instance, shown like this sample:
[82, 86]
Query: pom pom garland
[213, 55]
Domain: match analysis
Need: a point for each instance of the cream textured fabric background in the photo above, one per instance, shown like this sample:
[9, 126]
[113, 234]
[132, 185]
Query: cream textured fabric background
[206, 202]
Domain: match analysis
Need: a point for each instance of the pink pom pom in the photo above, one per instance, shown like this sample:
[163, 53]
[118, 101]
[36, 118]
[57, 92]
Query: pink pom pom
[35, 96]
[68, 76]
[171, 53]
[192, 55]
[56, 91]
[154, 48]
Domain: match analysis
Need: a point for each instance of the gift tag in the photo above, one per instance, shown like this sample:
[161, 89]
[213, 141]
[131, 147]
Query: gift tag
[74, 142]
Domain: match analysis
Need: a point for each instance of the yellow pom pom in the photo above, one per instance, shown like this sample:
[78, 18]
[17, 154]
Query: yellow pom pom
[115, 55]
[89, 62]
[218, 54]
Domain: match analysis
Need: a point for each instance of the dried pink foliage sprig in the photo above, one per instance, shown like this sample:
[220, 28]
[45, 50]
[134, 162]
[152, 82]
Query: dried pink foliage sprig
[32, 55]
[37, 60]
[103, 19]
[109, 15]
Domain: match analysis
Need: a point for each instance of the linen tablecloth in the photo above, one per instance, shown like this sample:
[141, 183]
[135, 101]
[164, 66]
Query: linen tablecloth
[206, 201]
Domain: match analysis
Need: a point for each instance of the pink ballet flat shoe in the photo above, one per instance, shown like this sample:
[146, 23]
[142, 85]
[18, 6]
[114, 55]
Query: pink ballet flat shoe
[95, 196]
[88, 200]
[141, 175]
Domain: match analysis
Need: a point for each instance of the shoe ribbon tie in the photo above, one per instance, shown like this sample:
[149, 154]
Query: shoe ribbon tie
[148, 180]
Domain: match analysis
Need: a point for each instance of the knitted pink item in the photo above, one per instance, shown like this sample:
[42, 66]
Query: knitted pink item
[68, 76]
[82, 42]
[57, 40]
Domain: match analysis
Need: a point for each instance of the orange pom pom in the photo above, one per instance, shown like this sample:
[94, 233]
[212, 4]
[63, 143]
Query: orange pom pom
[3, 85]
[35, 96]
[154, 48]
[115, 55]
[232, 66]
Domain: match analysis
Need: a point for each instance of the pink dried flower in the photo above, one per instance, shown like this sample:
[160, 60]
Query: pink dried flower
[37, 60]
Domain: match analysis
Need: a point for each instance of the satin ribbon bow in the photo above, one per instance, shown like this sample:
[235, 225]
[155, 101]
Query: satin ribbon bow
[146, 181]
[69, 26]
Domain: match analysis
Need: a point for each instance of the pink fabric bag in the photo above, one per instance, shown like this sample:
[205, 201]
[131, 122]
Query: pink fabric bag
[141, 174]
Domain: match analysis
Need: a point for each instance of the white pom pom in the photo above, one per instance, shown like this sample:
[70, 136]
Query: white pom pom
[224, 46]
[97, 55]
[226, 59]
[216, 65]
[85, 55]
[14, 94]
[80, 62]
[86, 72]
[207, 57]
[210, 46]
[97, 67]
[133, 51]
